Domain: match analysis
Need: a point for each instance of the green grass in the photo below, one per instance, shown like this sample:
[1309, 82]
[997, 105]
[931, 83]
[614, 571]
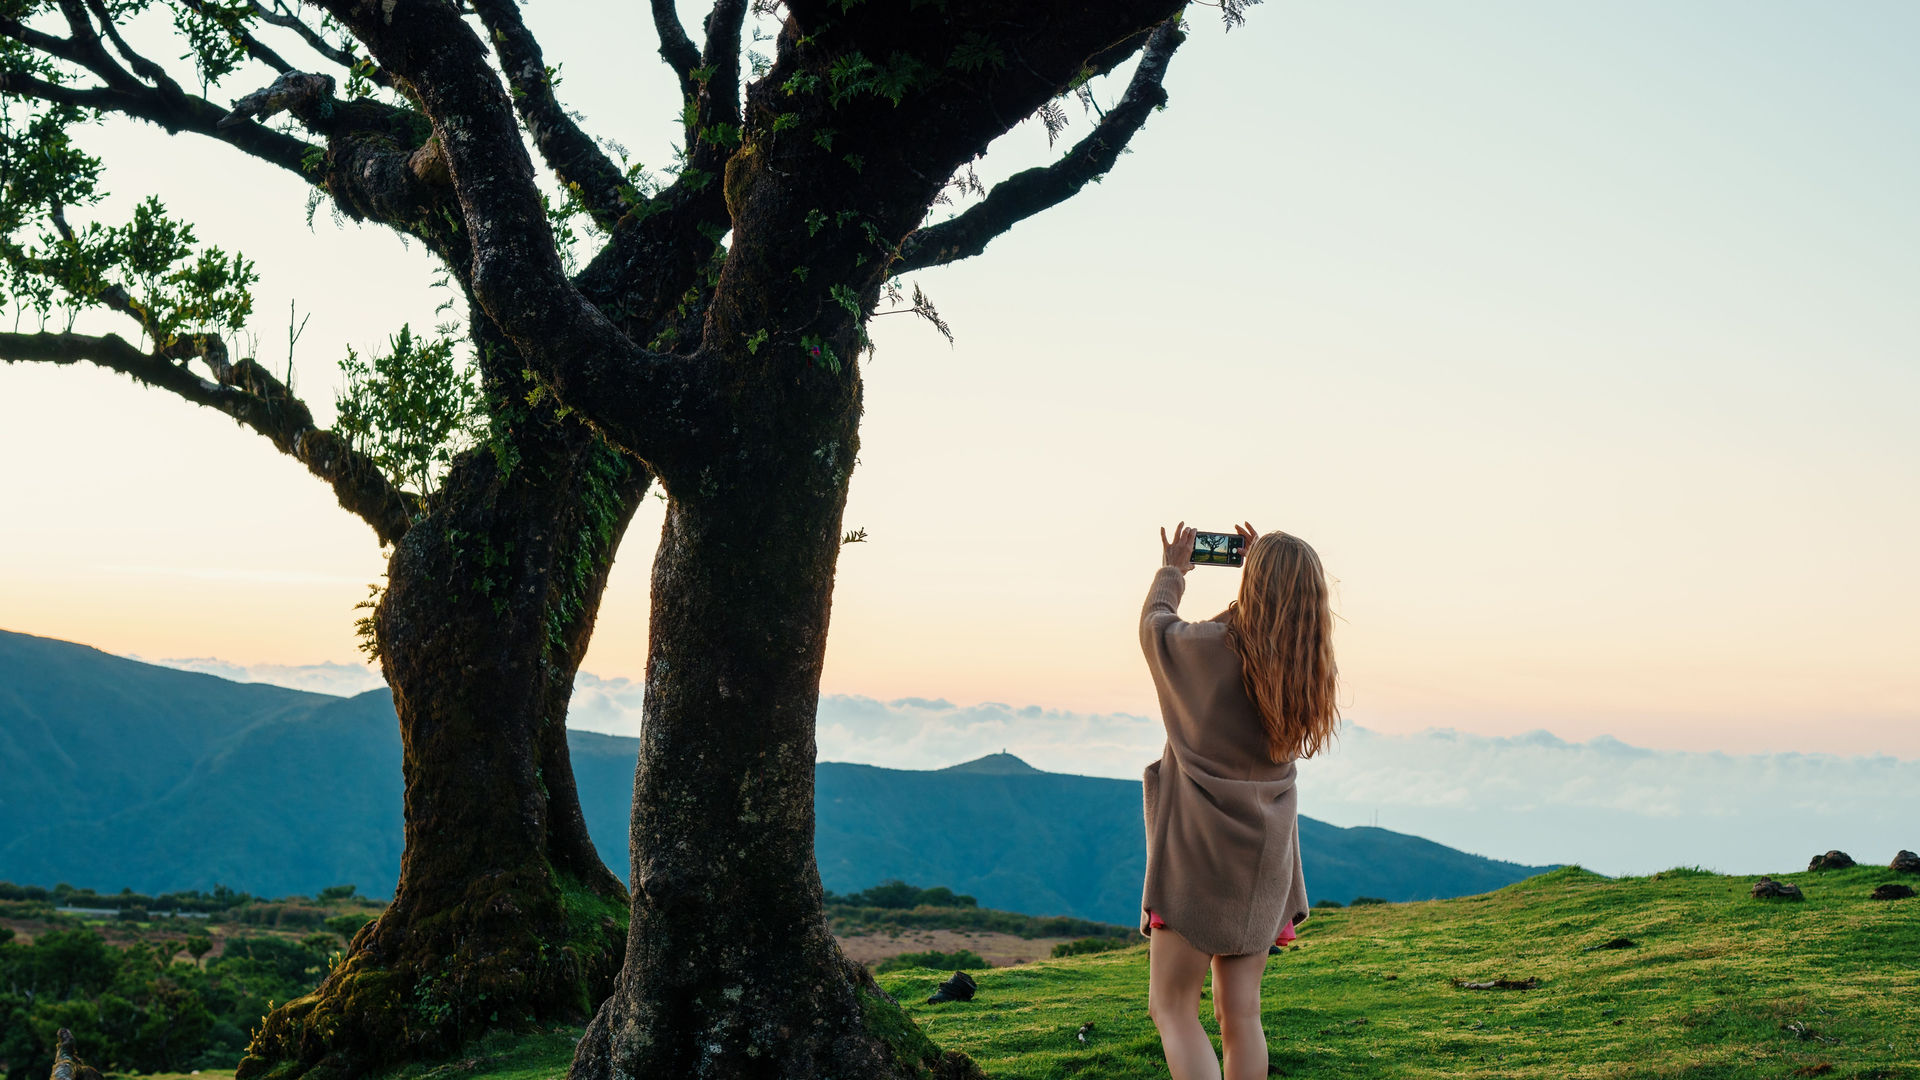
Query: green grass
[1708, 992]
[501, 1055]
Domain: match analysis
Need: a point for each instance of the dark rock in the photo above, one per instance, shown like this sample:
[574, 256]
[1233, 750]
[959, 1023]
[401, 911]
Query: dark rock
[1804, 1033]
[1832, 860]
[1767, 888]
[959, 987]
[1498, 984]
[1907, 862]
[1892, 892]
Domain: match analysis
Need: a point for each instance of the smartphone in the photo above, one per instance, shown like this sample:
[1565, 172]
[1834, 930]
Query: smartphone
[1218, 549]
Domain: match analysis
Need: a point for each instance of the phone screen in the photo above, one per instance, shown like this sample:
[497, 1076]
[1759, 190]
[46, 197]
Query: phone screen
[1218, 549]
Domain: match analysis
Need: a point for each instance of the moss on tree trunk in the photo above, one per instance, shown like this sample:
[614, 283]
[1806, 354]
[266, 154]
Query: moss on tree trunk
[504, 914]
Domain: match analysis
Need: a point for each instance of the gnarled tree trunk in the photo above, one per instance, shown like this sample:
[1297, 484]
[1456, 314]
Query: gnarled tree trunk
[730, 970]
[730, 967]
[504, 913]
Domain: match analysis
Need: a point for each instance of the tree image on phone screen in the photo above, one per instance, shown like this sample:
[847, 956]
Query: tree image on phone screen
[1216, 549]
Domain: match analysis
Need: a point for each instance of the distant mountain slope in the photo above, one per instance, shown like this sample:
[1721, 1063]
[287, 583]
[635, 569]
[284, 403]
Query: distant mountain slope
[84, 733]
[122, 774]
[1054, 843]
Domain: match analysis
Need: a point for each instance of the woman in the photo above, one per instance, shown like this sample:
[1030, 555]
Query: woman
[1242, 695]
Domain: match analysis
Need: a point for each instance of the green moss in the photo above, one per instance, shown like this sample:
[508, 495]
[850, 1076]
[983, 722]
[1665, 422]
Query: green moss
[585, 908]
[499, 1055]
[580, 563]
[516, 952]
[890, 1024]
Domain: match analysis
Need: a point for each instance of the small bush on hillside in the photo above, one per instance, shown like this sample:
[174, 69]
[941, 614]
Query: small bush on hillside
[1328, 903]
[337, 892]
[65, 895]
[958, 960]
[349, 924]
[1362, 901]
[26, 909]
[843, 920]
[897, 894]
[1089, 945]
[280, 916]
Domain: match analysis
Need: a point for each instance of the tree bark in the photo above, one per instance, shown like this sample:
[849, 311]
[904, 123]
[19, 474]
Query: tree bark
[731, 970]
[504, 914]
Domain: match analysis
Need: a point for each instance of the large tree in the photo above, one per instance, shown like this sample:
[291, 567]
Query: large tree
[712, 342]
[503, 909]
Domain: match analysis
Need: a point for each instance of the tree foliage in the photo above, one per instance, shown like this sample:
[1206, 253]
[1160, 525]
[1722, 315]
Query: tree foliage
[138, 1008]
[411, 408]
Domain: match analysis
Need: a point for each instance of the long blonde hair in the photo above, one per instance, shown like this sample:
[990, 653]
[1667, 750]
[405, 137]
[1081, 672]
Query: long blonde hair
[1282, 627]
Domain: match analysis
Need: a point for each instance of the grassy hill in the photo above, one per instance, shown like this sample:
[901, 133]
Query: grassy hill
[1717, 985]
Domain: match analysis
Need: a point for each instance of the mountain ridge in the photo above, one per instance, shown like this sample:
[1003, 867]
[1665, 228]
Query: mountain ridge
[180, 780]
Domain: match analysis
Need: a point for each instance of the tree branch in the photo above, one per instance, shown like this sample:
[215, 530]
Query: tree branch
[722, 57]
[127, 96]
[290, 21]
[657, 253]
[1031, 191]
[371, 166]
[572, 155]
[255, 48]
[653, 404]
[246, 392]
[675, 47]
[88, 52]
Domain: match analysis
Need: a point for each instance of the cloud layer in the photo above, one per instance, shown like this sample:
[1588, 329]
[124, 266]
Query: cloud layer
[344, 680]
[1532, 798]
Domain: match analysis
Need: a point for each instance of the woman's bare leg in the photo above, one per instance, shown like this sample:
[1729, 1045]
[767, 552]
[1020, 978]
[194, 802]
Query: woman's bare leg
[1175, 970]
[1236, 1006]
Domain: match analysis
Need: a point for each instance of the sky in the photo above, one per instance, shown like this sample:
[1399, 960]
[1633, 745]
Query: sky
[1578, 339]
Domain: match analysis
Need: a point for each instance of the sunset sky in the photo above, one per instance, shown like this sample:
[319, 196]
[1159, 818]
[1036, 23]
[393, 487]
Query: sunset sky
[1581, 341]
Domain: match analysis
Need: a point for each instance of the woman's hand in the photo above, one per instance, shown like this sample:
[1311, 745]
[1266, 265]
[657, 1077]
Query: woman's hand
[1178, 552]
[1247, 534]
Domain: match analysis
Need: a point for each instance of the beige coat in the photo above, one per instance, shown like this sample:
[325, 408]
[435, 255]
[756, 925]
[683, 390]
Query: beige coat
[1223, 838]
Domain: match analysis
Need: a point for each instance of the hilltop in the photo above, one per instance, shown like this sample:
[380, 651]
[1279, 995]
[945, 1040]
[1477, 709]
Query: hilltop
[1716, 986]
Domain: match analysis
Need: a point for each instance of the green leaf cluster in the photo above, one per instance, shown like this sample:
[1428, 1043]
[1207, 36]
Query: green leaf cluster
[412, 408]
[48, 262]
[853, 74]
[213, 30]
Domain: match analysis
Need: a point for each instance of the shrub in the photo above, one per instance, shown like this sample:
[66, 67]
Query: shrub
[1362, 901]
[897, 895]
[1329, 903]
[890, 894]
[279, 915]
[1089, 945]
[958, 960]
[349, 924]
